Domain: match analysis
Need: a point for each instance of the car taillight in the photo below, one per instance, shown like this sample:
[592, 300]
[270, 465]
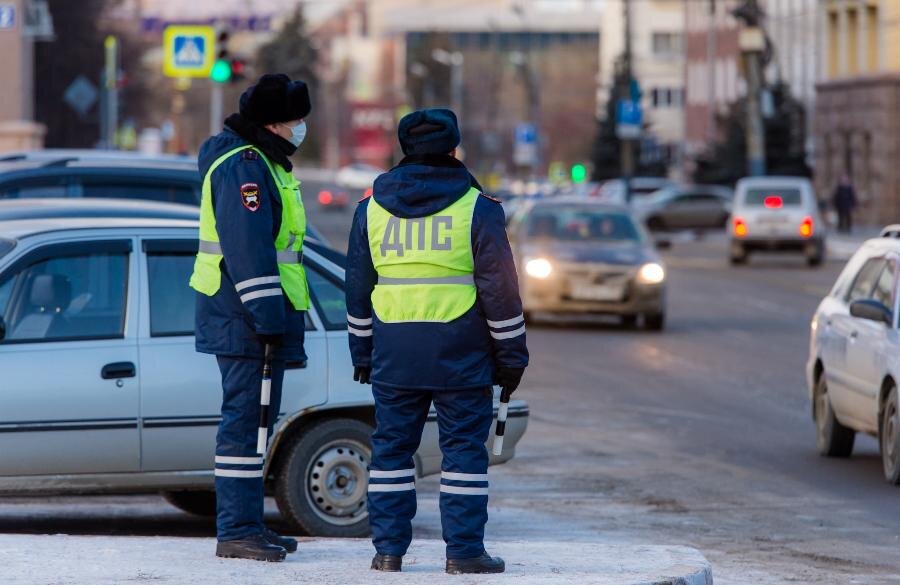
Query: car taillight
[325, 197]
[806, 227]
[740, 227]
[773, 202]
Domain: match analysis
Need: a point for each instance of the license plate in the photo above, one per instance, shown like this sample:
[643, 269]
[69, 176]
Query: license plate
[598, 292]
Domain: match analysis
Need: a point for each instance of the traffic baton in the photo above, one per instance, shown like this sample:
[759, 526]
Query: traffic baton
[501, 422]
[265, 396]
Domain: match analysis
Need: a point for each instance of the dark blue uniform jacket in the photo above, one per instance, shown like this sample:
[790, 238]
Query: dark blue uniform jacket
[225, 325]
[463, 353]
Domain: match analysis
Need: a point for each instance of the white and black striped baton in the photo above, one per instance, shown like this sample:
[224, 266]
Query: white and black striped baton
[265, 397]
[501, 421]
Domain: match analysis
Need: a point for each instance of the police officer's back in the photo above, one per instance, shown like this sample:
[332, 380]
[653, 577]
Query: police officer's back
[434, 315]
[252, 292]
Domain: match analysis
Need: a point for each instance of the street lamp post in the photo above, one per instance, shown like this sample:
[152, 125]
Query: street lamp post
[454, 60]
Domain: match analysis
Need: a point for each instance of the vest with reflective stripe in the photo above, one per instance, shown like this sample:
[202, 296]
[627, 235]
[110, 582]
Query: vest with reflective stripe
[207, 276]
[425, 266]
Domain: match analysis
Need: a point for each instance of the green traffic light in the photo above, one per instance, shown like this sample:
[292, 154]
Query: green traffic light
[579, 173]
[221, 71]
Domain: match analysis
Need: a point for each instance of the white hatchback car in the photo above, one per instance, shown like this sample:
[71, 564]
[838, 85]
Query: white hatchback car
[776, 214]
[101, 389]
[853, 369]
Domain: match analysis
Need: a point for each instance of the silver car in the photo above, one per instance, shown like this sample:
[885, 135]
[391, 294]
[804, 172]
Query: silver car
[101, 389]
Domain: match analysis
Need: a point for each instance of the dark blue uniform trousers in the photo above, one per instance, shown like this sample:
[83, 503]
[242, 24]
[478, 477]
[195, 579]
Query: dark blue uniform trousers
[239, 469]
[464, 423]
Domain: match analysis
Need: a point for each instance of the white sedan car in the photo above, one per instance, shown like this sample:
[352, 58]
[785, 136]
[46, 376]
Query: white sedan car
[101, 389]
[357, 176]
[854, 355]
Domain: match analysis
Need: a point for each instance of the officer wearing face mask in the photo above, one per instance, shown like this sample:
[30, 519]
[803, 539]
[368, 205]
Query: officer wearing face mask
[252, 292]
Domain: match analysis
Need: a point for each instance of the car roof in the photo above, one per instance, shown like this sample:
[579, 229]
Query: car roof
[774, 179]
[20, 229]
[20, 209]
[88, 155]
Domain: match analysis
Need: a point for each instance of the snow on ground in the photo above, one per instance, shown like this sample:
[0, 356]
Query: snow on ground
[102, 560]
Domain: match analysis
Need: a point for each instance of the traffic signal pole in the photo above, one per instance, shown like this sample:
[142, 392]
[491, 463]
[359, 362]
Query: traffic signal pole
[216, 97]
[626, 144]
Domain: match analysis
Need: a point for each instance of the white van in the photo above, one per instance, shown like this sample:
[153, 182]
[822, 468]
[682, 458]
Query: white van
[776, 214]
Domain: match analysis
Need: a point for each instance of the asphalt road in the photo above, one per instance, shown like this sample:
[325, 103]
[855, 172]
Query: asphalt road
[699, 435]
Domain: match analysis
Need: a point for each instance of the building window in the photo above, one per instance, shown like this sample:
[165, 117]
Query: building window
[666, 44]
[667, 97]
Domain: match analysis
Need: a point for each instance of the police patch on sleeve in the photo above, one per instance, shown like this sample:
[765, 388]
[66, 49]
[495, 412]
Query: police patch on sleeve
[250, 196]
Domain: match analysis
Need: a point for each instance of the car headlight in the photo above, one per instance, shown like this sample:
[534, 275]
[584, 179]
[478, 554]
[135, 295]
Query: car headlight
[651, 273]
[538, 267]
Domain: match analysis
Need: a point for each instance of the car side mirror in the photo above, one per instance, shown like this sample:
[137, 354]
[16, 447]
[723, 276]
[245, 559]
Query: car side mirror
[663, 244]
[872, 310]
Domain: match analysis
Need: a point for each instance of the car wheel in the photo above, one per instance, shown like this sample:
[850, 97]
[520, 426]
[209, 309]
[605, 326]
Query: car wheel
[629, 321]
[889, 438]
[200, 503]
[815, 258]
[655, 224]
[654, 321]
[323, 479]
[738, 255]
[832, 438]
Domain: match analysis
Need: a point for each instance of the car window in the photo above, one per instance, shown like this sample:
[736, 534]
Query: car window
[581, 223]
[884, 288]
[774, 197]
[171, 191]
[171, 299]
[36, 188]
[329, 299]
[865, 280]
[66, 297]
[5, 246]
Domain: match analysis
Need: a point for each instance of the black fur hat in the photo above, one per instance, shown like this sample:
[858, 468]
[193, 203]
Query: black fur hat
[275, 98]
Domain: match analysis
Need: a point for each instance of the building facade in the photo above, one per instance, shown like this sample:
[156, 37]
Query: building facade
[857, 118]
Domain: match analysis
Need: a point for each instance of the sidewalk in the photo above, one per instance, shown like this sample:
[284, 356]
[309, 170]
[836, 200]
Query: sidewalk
[843, 246]
[107, 560]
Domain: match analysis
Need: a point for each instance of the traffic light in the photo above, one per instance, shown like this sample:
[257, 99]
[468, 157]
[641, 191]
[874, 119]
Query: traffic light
[579, 173]
[221, 69]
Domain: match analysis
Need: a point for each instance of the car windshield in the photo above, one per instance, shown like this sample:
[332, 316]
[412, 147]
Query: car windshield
[773, 198]
[6, 246]
[581, 223]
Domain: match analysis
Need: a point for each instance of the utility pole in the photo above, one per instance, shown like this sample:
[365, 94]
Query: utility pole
[752, 42]
[110, 118]
[711, 49]
[627, 144]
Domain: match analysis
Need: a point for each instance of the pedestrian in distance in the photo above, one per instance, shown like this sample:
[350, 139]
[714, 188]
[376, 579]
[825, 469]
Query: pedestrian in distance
[844, 200]
[434, 316]
[252, 294]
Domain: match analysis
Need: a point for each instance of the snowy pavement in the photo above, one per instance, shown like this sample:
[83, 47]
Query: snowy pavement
[102, 560]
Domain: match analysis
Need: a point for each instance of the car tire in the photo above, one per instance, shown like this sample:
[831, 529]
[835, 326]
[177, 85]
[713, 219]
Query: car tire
[197, 502]
[654, 321]
[815, 259]
[832, 438]
[322, 479]
[629, 321]
[889, 437]
[655, 224]
[738, 255]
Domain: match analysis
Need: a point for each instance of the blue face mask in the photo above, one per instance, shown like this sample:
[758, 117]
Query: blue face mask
[298, 133]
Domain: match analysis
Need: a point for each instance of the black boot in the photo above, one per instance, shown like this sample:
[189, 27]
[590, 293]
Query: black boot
[285, 542]
[387, 563]
[254, 547]
[483, 564]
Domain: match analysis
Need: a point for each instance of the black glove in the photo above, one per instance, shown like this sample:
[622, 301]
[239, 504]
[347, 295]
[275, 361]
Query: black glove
[361, 374]
[273, 339]
[509, 378]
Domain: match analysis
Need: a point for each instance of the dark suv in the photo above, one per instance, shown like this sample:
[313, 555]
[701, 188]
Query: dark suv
[99, 174]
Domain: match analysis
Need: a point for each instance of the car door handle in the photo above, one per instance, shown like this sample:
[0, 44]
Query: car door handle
[295, 365]
[118, 370]
[854, 335]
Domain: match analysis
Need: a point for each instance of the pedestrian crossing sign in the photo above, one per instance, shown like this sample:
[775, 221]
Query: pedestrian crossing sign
[188, 50]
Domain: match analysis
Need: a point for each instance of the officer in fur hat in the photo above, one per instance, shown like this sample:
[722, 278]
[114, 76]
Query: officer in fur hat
[434, 316]
[252, 292]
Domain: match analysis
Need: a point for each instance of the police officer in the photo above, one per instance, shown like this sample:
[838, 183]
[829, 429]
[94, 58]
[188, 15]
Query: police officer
[434, 315]
[252, 292]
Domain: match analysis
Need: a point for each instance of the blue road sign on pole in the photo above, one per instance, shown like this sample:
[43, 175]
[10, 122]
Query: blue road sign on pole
[629, 117]
[188, 50]
[525, 151]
